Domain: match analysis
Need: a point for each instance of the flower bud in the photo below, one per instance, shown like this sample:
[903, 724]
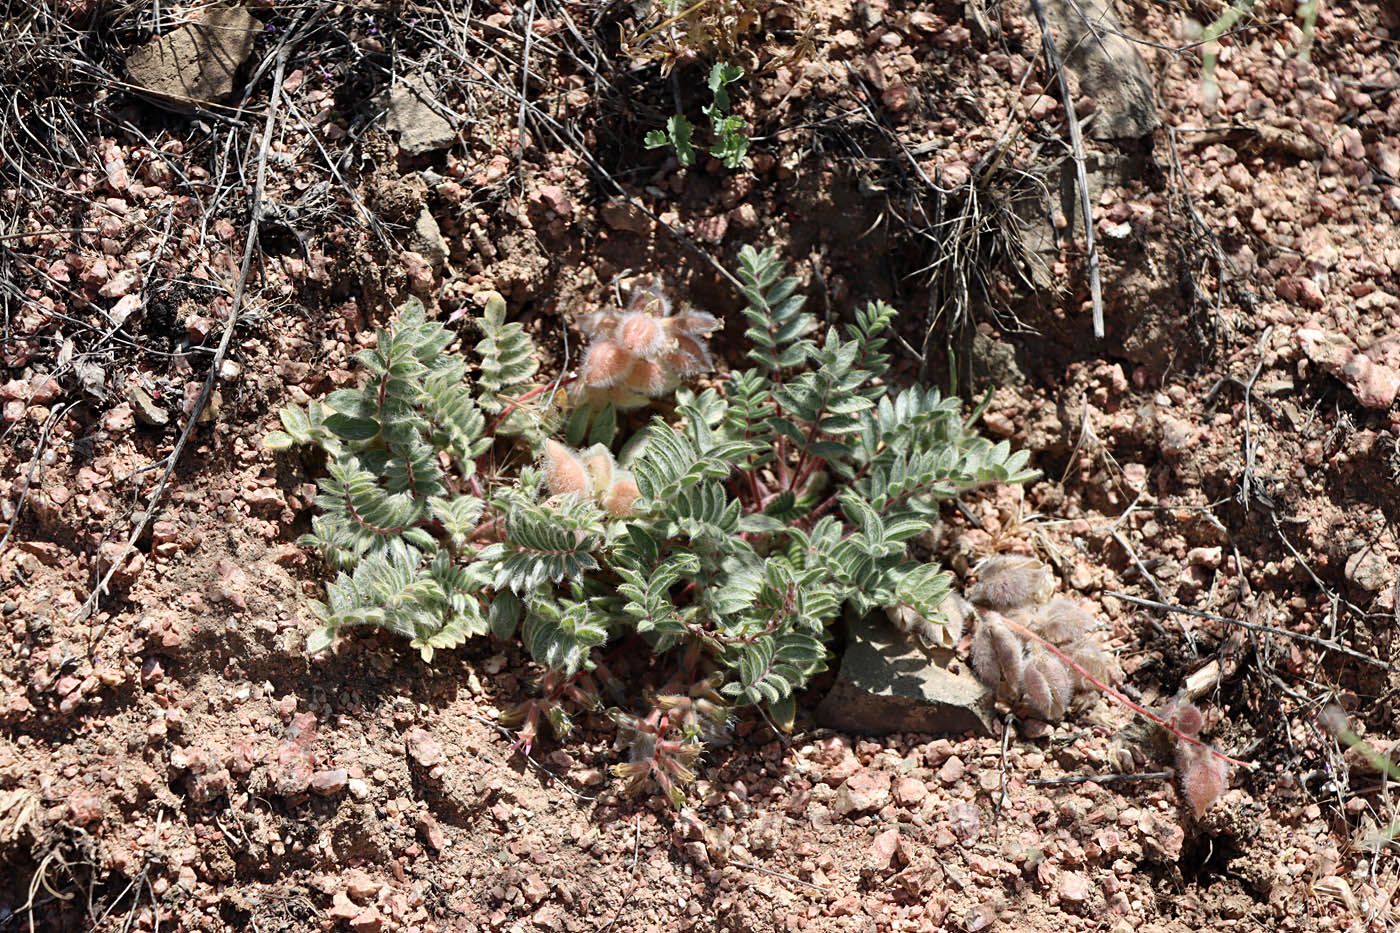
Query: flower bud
[621, 497]
[564, 471]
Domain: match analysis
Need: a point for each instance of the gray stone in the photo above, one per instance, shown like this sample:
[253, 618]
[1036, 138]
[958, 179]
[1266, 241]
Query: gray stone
[995, 361]
[426, 239]
[145, 407]
[888, 683]
[1369, 569]
[1106, 65]
[197, 62]
[409, 112]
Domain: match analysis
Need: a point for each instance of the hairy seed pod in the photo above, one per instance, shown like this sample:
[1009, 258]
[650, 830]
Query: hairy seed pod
[1096, 663]
[1037, 694]
[605, 365]
[689, 357]
[1048, 689]
[641, 334]
[651, 299]
[564, 471]
[1010, 582]
[1187, 717]
[599, 324]
[1060, 622]
[904, 619]
[1057, 674]
[692, 322]
[651, 379]
[958, 612]
[932, 633]
[997, 655]
[598, 461]
[1202, 777]
[621, 497]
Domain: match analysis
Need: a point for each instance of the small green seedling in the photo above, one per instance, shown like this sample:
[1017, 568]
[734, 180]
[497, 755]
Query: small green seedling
[728, 143]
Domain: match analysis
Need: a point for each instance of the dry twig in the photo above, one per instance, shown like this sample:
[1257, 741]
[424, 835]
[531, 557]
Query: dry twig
[1076, 141]
[1254, 627]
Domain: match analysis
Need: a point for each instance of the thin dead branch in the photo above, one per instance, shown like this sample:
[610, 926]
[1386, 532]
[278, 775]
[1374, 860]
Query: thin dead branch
[1076, 141]
[1254, 627]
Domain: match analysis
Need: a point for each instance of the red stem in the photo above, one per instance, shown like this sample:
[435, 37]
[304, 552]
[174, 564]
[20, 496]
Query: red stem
[485, 527]
[525, 398]
[812, 516]
[1114, 694]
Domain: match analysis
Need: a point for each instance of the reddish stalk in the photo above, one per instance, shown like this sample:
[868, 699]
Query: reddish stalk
[486, 526]
[525, 398]
[1119, 697]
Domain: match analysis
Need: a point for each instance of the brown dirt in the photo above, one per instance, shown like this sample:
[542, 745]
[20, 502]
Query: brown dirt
[160, 760]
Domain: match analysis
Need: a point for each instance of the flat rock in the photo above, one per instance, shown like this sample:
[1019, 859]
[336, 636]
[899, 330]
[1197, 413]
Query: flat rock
[146, 409]
[409, 112]
[197, 62]
[1369, 569]
[888, 684]
[621, 214]
[1106, 65]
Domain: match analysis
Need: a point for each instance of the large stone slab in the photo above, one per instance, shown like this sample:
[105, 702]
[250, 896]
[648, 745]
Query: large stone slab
[1106, 65]
[196, 62]
[889, 683]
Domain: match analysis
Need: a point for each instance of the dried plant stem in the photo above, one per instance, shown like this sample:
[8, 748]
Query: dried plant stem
[1102, 778]
[1076, 141]
[777, 874]
[1254, 627]
[1113, 694]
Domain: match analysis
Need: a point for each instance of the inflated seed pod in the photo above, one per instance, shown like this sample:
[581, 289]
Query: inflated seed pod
[933, 633]
[1046, 686]
[598, 461]
[1010, 581]
[564, 471]
[1037, 696]
[1096, 662]
[1202, 777]
[605, 365]
[619, 500]
[1060, 621]
[997, 655]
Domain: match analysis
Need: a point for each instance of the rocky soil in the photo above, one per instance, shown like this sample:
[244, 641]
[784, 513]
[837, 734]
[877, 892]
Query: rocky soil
[170, 758]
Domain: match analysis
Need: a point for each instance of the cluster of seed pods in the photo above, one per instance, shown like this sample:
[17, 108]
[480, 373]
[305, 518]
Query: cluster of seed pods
[642, 352]
[1014, 592]
[1025, 673]
[591, 474]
